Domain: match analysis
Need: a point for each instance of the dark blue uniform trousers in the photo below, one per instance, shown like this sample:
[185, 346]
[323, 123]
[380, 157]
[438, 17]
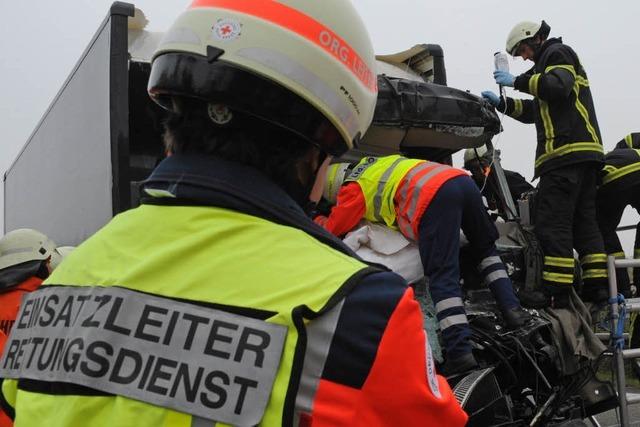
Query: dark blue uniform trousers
[458, 205]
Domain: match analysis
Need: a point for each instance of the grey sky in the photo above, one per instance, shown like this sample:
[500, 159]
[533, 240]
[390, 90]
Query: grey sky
[41, 41]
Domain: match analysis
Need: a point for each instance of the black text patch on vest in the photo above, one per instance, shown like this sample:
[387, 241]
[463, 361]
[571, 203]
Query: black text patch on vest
[360, 168]
[197, 360]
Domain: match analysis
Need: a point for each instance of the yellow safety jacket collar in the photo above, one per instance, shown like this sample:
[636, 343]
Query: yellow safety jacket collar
[188, 180]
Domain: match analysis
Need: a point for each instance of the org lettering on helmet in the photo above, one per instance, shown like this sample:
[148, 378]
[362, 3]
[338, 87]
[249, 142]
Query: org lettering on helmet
[341, 50]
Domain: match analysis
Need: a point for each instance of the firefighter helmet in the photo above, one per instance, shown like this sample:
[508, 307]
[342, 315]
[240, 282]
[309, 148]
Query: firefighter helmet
[523, 31]
[306, 66]
[471, 154]
[23, 245]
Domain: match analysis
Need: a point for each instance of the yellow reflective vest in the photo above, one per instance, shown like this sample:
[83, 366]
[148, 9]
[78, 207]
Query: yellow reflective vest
[379, 178]
[212, 256]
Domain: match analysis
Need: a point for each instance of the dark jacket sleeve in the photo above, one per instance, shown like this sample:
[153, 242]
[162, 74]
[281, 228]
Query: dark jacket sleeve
[519, 109]
[554, 82]
[517, 184]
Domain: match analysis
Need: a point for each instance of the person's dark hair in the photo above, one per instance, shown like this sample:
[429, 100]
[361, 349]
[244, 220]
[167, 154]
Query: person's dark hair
[246, 140]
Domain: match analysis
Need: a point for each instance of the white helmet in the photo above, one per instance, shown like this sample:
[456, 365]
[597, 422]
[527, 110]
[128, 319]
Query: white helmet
[63, 252]
[471, 154]
[23, 245]
[336, 174]
[306, 66]
[525, 30]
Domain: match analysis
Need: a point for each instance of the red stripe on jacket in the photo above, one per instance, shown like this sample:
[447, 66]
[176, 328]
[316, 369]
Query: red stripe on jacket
[380, 401]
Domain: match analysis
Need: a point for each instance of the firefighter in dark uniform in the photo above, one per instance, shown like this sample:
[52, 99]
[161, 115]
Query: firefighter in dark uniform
[569, 156]
[630, 141]
[620, 188]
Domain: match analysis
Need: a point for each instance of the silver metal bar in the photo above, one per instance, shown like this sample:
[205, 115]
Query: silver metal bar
[633, 305]
[594, 422]
[631, 353]
[626, 263]
[618, 354]
[505, 194]
[633, 398]
[606, 336]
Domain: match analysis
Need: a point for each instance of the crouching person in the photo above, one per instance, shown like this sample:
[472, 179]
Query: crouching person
[429, 203]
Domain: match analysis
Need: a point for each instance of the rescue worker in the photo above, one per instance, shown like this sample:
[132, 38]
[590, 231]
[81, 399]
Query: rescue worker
[218, 299]
[568, 158]
[479, 161]
[429, 203]
[620, 188]
[630, 141]
[26, 258]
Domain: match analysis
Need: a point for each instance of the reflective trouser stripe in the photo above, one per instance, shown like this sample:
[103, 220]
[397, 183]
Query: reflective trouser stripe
[594, 266]
[320, 333]
[495, 275]
[593, 258]
[619, 255]
[449, 303]
[595, 273]
[558, 270]
[449, 321]
[557, 277]
[378, 198]
[488, 262]
[559, 262]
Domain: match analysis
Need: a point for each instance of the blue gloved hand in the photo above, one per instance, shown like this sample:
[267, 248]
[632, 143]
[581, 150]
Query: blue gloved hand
[491, 97]
[504, 78]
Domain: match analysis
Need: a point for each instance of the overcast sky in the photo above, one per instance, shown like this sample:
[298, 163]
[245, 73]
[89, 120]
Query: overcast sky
[41, 40]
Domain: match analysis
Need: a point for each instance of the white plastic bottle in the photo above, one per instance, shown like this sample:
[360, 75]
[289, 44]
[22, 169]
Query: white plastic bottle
[501, 61]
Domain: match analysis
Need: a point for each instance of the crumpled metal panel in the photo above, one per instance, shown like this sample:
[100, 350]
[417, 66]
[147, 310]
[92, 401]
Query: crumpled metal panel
[420, 114]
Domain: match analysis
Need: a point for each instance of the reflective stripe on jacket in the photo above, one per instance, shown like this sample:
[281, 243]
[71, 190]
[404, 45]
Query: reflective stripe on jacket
[397, 190]
[562, 108]
[621, 170]
[630, 141]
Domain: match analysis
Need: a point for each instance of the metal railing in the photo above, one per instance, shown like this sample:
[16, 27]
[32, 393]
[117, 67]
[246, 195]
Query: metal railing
[620, 354]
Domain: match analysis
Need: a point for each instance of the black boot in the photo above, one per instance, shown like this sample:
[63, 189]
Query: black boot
[595, 294]
[459, 365]
[534, 299]
[516, 318]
